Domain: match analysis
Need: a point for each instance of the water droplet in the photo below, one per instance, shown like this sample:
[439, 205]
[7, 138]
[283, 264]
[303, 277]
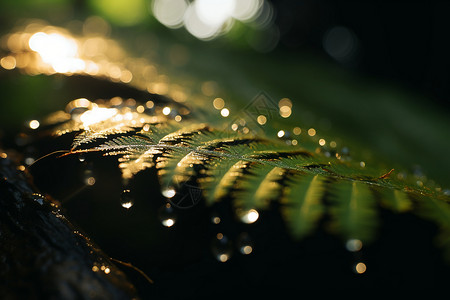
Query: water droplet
[225, 112]
[245, 243]
[250, 216]
[29, 160]
[215, 219]
[353, 245]
[221, 247]
[126, 200]
[167, 215]
[360, 268]
[81, 157]
[166, 110]
[168, 192]
[88, 177]
[34, 124]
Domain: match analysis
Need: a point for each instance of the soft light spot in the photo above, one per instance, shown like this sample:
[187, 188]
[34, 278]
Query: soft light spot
[311, 132]
[285, 111]
[297, 130]
[166, 110]
[96, 115]
[223, 257]
[168, 192]
[261, 119]
[168, 222]
[322, 142]
[340, 43]
[280, 133]
[90, 181]
[140, 109]
[246, 250]
[34, 124]
[214, 12]
[251, 216]
[360, 268]
[170, 12]
[353, 245]
[218, 103]
[225, 112]
[126, 76]
[8, 62]
[285, 102]
[60, 52]
[247, 10]
[197, 26]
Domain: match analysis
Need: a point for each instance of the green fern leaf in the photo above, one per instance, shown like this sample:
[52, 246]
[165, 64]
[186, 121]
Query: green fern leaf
[254, 171]
[396, 200]
[353, 210]
[302, 203]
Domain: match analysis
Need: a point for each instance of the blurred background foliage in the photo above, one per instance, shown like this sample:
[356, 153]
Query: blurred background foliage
[373, 76]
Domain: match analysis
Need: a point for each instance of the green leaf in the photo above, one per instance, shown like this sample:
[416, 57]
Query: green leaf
[352, 210]
[252, 172]
[396, 200]
[302, 203]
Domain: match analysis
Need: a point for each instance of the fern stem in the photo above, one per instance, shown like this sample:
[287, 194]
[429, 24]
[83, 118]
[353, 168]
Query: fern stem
[47, 155]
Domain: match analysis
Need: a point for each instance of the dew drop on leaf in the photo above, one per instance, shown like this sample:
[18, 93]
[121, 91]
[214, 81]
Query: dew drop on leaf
[126, 200]
[167, 215]
[221, 247]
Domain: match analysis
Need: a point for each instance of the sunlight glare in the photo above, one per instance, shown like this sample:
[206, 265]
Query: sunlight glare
[96, 115]
[214, 13]
[60, 52]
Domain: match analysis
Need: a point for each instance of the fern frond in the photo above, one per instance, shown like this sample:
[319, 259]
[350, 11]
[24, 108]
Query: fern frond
[353, 212]
[396, 200]
[302, 203]
[253, 171]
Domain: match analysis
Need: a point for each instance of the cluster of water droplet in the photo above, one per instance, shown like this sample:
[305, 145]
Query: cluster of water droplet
[355, 246]
[223, 245]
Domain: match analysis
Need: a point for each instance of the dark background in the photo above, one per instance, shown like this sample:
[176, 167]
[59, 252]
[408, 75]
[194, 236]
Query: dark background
[403, 42]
